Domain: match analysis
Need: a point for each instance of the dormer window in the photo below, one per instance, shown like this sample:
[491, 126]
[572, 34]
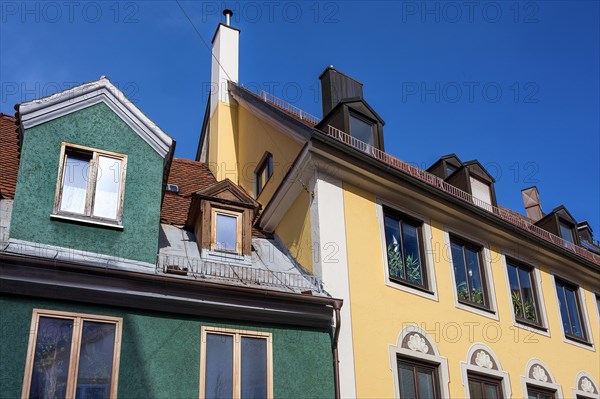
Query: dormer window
[361, 129]
[263, 173]
[450, 169]
[566, 232]
[226, 231]
[481, 191]
[90, 185]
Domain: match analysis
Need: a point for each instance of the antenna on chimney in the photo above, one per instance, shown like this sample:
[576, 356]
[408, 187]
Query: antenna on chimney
[228, 13]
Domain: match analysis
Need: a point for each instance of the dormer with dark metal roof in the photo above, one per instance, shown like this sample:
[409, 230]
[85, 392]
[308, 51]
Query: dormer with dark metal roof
[445, 166]
[561, 223]
[345, 108]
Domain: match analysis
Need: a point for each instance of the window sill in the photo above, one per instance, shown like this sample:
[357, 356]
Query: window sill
[409, 285]
[530, 325]
[86, 220]
[578, 340]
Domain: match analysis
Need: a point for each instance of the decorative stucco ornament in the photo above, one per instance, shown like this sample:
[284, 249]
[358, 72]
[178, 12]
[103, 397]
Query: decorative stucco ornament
[417, 343]
[586, 385]
[483, 360]
[540, 374]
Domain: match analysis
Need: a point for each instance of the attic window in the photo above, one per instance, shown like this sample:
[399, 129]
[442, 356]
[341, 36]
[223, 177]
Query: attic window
[90, 185]
[566, 232]
[263, 173]
[226, 231]
[450, 169]
[482, 192]
[361, 129]
[173, 188]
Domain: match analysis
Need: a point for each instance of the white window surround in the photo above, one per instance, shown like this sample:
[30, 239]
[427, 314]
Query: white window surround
[427, 239]
[584, 313]
[545, 329]
[586, 386]
[487, 269]
[486, 363]
[424, 349]
[538, 374]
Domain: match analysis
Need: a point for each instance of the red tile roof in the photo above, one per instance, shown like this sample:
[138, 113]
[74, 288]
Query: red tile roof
[9, 156]
[190, 176]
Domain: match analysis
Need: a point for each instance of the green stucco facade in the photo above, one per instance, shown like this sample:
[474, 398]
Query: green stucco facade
[160, 354]
[97, 127]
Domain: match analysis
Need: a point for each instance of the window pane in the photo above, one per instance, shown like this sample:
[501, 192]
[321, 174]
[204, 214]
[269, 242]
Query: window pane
[407, 381]
[490, 391]
[226, 231]
[254, 368]
[106, 198]
[95, 360]
[219, 366]
[564, 313]
[51, 358]
[529, 307]
[411, 250]
[75, 184]
[361, 130]
[425, 380]
[475, 391]
[515, 291]
[477, 294]
[393, 244]
[481, 191]
[574, 313]
[566, 232]
[458, 262]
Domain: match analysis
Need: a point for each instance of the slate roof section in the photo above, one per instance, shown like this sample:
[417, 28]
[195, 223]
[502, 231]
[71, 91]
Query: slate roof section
[9, 156]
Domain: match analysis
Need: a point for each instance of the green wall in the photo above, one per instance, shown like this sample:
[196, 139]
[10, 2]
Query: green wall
[98, 127]
[160, 354]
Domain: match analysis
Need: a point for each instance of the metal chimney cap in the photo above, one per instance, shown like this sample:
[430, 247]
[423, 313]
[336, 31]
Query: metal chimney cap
[228, 13]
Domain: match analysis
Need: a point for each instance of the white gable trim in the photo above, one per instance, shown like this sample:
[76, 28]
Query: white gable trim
[36, 112]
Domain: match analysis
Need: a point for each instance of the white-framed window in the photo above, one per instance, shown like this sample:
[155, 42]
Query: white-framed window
[71, 355]
[539, 383]
[585, 387]
[235, 364]
[90, 185]
[525, 293]
[483, 376]
[570, 300]
[226, 230]
[406, 250]
[418, 368]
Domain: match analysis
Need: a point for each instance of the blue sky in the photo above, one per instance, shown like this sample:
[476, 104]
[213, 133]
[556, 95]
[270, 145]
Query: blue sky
[512, 84]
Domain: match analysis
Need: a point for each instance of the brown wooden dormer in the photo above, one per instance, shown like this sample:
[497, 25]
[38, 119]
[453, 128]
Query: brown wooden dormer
[345, 108]
[445, 166]
[221, 217]
[560, 222]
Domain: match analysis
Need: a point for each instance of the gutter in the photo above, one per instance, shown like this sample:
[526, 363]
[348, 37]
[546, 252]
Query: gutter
[336, 360]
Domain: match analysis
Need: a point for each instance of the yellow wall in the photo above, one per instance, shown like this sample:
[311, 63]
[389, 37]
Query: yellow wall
[255, 138]
[295, 231]
[379, 313]
[223, 138]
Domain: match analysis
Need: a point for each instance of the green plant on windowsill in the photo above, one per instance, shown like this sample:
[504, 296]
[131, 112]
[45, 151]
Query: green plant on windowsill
[395, 264]
[463, 294]
[529, 308]
[397, 267]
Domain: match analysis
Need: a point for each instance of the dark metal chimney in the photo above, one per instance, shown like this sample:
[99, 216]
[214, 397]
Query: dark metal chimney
[336, 86]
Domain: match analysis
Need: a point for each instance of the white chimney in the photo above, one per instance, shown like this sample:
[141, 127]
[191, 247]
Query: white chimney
[225, 61]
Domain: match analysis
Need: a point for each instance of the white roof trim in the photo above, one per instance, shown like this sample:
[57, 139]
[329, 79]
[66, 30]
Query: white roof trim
[36, 112]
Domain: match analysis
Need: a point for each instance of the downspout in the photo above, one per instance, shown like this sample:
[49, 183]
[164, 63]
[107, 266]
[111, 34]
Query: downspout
[337, 305]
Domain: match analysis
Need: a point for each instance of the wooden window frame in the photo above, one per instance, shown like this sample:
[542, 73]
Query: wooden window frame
[487, 303]
[485, 379]
[237, 351]
[78, 319]
[534, 287]
[415, 364]
[266, 163]
[402, 218]
[540, 390]
[564, 284]
[213, 229]
[91, 185]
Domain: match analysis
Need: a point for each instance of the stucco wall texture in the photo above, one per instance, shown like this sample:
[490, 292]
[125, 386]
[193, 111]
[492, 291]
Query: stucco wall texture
[98, 127]
[160, 354]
